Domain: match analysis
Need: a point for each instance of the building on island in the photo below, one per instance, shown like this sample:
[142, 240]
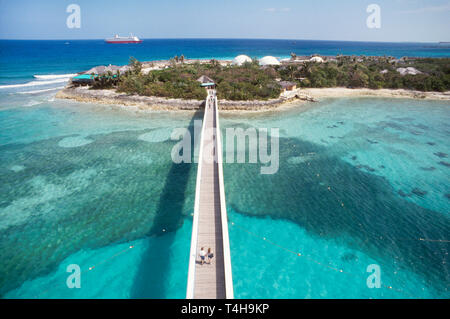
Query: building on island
[287, 86]
[269, 60]
[316, 59]
[241, 59]
[206, 82]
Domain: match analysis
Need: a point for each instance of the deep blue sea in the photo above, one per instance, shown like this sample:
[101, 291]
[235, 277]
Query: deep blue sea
[20, 60]
[361, 181]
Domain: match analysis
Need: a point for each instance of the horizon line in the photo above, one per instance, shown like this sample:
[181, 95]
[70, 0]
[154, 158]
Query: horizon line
[193, 38]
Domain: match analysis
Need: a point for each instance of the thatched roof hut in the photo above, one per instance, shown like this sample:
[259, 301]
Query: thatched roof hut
[205, 79]
[97, 70]
[100, 70]
[287, 85]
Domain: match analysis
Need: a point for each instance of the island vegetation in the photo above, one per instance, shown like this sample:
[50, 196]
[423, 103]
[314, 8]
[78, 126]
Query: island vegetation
[421, 74]
[250, 81]
[246, 82]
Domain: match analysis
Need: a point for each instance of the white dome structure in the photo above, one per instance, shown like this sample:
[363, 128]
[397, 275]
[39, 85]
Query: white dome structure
[241, 59]
[269, 60]
[316, 59]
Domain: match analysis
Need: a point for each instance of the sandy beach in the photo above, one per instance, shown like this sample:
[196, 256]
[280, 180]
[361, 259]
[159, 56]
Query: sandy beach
[294, 99]
[85, 95]
[319, 93]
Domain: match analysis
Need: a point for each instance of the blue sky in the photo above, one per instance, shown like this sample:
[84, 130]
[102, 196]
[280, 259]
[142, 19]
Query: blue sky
[401, 20]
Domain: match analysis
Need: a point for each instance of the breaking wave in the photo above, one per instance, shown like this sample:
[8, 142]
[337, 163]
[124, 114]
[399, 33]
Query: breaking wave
[54, 76]
[34, 83]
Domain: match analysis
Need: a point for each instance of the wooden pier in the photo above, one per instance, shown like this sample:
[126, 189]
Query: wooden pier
[210, 227]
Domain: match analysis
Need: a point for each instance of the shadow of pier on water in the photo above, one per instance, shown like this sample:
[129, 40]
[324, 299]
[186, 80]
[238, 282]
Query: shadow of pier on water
[153, 272]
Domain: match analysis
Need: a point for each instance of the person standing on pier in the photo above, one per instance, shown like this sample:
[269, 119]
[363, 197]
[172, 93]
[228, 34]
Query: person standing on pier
[210, 255]
[202, 255]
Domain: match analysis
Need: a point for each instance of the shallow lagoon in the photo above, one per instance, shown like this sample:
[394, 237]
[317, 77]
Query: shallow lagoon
[82, 183]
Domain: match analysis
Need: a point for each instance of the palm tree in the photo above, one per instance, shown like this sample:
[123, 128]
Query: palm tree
[214, 63]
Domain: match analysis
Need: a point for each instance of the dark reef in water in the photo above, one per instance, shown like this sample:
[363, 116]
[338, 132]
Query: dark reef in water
[432, 168]
[444, 163]
[402, 193]
[419, 192]
[393, 125]
[414, 191]
[431, 143]
[440, 154]
[367, 167]
[349, 257]
[403, 119]
[360, 208]
[421, 126]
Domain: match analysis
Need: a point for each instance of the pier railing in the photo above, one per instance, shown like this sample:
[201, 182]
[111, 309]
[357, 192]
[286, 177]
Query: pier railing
[229, 294]
[223, 210]
[194, 237]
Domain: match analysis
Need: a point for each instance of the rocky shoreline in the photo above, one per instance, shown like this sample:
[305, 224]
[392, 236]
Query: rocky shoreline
[86, 95]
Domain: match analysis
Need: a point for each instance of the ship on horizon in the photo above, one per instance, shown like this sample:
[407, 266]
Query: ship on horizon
[129, 39]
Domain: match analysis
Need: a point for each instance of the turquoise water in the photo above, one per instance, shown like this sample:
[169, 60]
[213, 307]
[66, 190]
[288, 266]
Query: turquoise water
[360, 181]
[21, 61]
[78, 183]
[81, 184]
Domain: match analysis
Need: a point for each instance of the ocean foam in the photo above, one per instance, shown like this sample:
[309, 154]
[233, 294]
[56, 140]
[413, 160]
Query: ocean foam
[34, 83]
[54, 76]
[41, 91]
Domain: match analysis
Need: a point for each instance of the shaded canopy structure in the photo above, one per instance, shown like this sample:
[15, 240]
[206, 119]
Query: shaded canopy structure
[269, 60]
[206, 81]
[241, 59]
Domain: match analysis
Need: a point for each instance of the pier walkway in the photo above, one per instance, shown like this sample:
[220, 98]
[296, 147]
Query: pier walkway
[210, 225]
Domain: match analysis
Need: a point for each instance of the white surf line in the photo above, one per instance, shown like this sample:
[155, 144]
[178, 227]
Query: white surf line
[34, 83]
[54, 76]
[41, 91]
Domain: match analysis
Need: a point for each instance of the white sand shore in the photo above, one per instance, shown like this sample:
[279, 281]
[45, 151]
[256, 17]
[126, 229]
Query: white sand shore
[297, 98]
[390, 93]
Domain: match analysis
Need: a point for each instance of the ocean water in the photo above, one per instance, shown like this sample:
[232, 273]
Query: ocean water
[80, 183]
[361, 181]
[21, 61]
